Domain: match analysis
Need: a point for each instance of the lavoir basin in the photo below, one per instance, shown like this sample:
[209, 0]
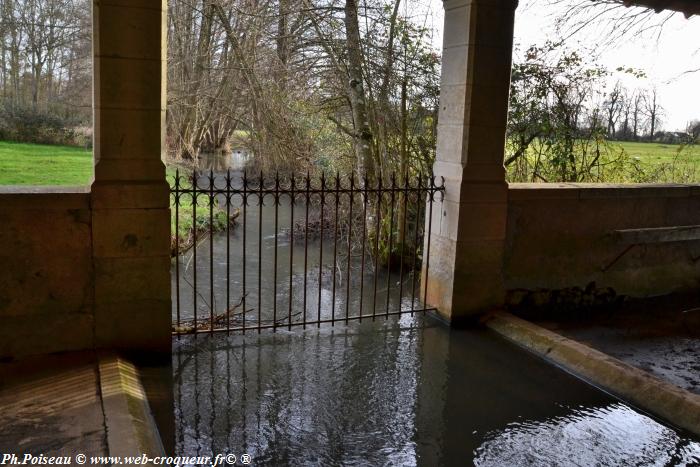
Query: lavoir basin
[403, 391]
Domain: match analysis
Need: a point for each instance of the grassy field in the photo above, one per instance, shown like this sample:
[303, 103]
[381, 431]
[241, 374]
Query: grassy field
[36, 164]
[656, 153]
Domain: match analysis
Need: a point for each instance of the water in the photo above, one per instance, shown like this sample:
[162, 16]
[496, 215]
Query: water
[398, 391]
[318, 271]
[405, 391]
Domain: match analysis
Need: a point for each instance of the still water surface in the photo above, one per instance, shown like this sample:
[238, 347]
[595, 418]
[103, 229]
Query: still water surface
[405, 391]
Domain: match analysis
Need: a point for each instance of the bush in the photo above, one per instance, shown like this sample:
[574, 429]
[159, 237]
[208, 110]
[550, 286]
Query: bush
[28, 125]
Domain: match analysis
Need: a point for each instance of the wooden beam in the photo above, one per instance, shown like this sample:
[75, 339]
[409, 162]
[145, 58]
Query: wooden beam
[687, 7]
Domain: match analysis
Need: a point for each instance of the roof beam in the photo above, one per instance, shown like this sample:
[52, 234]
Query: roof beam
[687, 7]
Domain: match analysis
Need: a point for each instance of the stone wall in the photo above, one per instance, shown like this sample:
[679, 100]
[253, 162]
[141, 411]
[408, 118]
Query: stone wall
[560, 236]
[46, 278]
[90, 268]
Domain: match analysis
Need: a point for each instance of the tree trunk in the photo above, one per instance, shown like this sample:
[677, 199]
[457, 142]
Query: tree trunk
[363, 135]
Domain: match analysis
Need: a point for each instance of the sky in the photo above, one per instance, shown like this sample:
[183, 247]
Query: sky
[663, 57]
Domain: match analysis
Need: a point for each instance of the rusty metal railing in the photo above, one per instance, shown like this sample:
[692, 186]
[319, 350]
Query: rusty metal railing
[243, 249]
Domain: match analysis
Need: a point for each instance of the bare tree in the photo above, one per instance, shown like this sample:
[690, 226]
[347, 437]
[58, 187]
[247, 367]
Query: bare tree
[637, 114]
[653, 111]
[613, 108]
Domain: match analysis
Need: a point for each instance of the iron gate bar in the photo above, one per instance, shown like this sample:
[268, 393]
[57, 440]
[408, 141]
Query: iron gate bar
[391, 243]
[335, 244]
[244, 205]
[415, 257]
[261, 199]
[364, 244]
[306, 244]
[347, 279]
[320, 251]
[211, 248]
[228, 255]
[377, 195]
[291, 250]
[377, 230]
[404, 197]
[274, 282]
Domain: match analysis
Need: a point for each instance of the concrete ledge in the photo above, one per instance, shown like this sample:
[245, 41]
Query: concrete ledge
[131, 430]
[675, 405]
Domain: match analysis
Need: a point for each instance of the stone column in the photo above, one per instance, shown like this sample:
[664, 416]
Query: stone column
[466, 256]
[130, 208]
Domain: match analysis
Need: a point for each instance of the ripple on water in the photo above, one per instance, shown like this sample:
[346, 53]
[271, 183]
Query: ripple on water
[402, 392]
[612, 435]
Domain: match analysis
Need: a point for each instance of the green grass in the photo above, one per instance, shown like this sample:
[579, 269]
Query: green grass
[38, 164]
[624, 162]
[186, 222]
[656, 153]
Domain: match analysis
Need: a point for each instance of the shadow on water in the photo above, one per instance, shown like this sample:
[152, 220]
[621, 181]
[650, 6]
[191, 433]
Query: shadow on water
[406, 391]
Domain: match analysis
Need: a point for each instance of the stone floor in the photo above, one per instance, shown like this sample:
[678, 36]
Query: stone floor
[660, 336]
[52, 406]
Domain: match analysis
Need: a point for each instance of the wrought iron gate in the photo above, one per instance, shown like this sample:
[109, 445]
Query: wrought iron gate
[246, 250]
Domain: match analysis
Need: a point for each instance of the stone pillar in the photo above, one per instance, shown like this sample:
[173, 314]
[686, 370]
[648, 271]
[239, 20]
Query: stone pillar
[467, 244]
[130, 208]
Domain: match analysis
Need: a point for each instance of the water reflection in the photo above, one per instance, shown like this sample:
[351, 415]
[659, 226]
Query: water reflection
[405, 391]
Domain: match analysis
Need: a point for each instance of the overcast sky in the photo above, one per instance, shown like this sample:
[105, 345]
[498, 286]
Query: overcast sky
[664, 59]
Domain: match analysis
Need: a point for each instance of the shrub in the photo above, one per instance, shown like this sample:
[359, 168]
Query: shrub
[28, 125]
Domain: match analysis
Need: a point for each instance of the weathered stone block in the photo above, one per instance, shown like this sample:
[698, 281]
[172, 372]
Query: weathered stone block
[456, 24]
[128, 170]
[126, 31]
[37, 334]
[127, 279]
[143, 195]
[129, 134]
[121, 233]
[45, 256]
[150, 4]
[126, 83]
[140, 324]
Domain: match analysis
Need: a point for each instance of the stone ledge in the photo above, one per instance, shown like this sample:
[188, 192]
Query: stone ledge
[44, 198]
[78, 402]
[529, 191]
[677, 406]
[131, 430]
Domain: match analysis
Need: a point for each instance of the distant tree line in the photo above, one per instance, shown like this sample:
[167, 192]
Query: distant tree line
[304, 84]
[323, 84]
[637, 115]
[45, 71]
